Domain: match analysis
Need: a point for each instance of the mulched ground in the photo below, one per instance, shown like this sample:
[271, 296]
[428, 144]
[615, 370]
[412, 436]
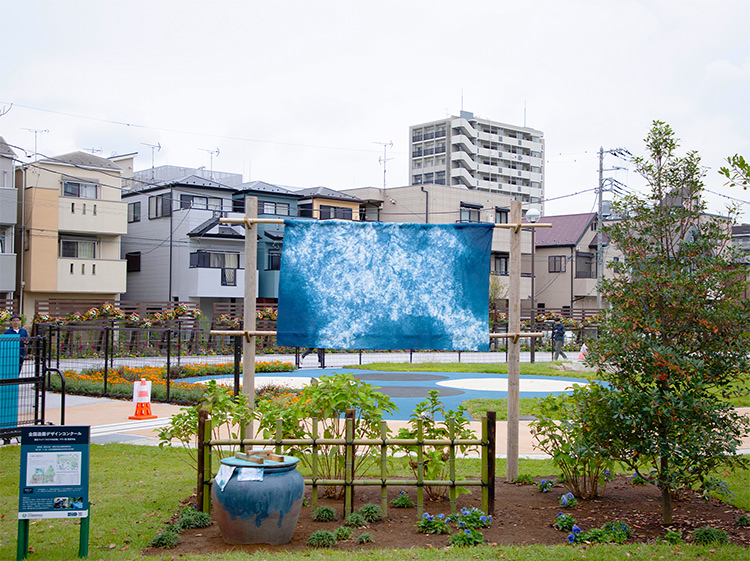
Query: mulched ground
[522, 516]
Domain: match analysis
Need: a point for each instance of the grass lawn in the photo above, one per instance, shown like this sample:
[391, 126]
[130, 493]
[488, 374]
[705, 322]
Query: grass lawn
[135, 489]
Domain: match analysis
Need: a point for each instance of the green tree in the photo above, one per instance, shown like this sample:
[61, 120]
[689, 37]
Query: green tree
[675, 341]
[738, 171]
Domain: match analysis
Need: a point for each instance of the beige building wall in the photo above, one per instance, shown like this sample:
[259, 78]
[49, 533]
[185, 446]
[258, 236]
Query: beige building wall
[50, 218]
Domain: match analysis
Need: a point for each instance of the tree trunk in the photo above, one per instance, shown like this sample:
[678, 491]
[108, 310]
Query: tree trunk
[666, 492]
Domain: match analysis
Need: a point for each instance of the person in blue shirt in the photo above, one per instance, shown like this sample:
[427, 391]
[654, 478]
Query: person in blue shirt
[558, 339]
[16, 329]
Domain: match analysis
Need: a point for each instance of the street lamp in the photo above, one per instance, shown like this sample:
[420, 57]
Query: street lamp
[533, 215]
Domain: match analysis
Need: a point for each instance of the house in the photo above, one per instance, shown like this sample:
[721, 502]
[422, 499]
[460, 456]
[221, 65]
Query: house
[276, 202]
[176, 249]
[565, 262]
[73, 219]
[445, 204]
[8, 218]
[326, 204]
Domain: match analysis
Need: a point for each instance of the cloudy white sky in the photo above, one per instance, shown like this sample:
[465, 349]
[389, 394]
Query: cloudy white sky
[303, 93]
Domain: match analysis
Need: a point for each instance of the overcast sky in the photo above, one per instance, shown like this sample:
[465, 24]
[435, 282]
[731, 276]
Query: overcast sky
[304, 93]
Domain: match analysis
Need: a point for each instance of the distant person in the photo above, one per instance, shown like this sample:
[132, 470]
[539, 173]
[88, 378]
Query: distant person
[16, 329]
[558, 339]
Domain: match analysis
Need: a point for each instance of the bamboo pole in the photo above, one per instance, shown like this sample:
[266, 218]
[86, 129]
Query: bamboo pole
[251, 265]
[514, 347]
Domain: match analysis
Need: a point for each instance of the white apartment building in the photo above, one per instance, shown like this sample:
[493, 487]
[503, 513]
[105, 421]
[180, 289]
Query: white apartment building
[479, 154]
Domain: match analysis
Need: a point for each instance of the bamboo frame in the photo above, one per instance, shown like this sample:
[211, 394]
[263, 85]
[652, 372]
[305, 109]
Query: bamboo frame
[485, 443]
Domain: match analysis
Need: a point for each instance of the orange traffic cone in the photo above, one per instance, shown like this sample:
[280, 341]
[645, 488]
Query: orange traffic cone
[142, 411]
[142, 398]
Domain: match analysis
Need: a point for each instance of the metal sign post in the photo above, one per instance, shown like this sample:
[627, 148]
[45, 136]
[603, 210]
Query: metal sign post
[54, 480]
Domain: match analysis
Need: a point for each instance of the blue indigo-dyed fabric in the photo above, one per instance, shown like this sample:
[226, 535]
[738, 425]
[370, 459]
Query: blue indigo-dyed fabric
[375, 285]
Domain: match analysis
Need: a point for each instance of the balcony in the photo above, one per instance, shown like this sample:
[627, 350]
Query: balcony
[7, 272]
[211, 282]
[8, 205]
[92, 216]
[103, 276]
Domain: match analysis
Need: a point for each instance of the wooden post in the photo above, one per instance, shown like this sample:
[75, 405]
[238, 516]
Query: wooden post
[490, 423]
[251, 265]
[514, 344]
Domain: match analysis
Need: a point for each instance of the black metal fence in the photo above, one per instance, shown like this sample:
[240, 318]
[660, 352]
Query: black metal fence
[23, 396]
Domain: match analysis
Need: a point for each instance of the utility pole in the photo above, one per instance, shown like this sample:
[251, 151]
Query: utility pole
[599, 230]
[620, 153]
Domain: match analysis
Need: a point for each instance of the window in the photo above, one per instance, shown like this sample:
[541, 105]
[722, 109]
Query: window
[470, 212]
[281, 209]
[339, 213]
[215, 260]
[134, 212]
[159, 206]
[80, 190]
[133, 261]
[274, 260]
[440, 178]
[501, 215]
[229, 277]
[200, 203]
[585, 265]
[500, 264]
[557, 263]
[416, 179]
[83, 248]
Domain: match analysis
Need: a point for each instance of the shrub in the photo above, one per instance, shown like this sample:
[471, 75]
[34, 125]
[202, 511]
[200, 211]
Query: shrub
[743, 521]
[423, 426]
[402, 500]
[325, 403]
[572, 429]
[433, 524]
[324, 514]
[524, 479]
[470, 518]
[356, 520]
[364, 538]
[191, 518]
[709, 536]
[618, 530]
[545, 485]
[371, 513]
[227, 413]
[467, 538]
[167, 539]
[568, 501]
[321, 538]
[343, 533]
[673, 536]
[564, 522]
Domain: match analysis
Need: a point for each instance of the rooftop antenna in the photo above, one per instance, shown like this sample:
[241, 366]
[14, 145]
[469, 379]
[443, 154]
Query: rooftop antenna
[5, 111]
[36, 133]
[212, 152]
[384, 158]
[93, 150]
[154, 148]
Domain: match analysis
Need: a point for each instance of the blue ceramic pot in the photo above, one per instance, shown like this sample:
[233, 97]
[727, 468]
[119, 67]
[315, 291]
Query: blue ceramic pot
[259, 511]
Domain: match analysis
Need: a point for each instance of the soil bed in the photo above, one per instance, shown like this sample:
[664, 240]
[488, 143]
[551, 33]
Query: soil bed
[523, 516]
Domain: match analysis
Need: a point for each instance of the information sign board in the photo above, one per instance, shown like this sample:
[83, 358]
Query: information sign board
[54, 472]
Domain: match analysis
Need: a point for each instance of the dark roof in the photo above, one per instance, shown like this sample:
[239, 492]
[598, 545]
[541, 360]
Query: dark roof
[741, 229]
[187, 181]
[6, 150]
[84, 160]
[566, 230]
[221, 230]
[326, 193]
[264, 187]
